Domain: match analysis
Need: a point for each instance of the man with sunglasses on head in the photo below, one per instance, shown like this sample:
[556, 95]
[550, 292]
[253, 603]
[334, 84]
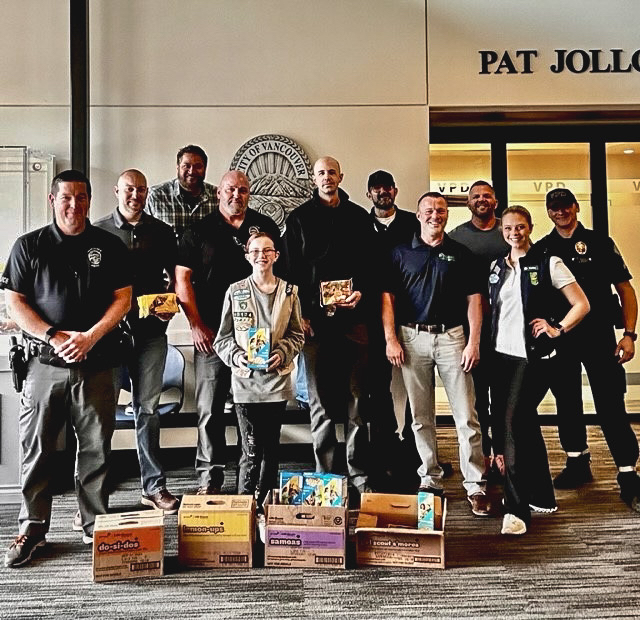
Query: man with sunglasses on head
[597, 264]
[211, 256]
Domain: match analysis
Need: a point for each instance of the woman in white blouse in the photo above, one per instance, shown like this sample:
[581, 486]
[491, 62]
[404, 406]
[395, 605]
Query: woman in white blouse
[534, 300]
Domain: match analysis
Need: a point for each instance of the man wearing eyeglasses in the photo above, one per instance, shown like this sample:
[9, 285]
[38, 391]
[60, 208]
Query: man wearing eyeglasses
[211, 257]
[433, 286]
[597, 264]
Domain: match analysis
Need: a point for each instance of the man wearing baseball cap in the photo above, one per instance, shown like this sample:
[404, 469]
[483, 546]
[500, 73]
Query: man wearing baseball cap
[397, 460]
[596, 262]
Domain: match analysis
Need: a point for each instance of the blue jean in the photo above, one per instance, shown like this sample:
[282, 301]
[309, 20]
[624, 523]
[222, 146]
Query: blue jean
[146, 367]
[213, 382]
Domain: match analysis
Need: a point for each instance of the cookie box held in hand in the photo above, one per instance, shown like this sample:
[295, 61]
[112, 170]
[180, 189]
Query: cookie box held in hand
[128, 545]
[387, 532]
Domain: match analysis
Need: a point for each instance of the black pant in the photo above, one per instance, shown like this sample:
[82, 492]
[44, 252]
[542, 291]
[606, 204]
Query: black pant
[259, 425]
[594, 347]
[517, 390]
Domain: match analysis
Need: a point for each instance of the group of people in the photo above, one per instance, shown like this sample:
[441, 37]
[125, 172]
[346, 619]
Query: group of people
[502, 320]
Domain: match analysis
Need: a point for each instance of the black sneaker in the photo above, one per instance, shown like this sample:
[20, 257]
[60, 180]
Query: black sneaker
[576, 472]
[630, 489]
[22, 549]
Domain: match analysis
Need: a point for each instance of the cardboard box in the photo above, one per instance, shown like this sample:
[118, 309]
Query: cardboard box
[387, 532]
[305, 536]
[128, 545]
[216, 531]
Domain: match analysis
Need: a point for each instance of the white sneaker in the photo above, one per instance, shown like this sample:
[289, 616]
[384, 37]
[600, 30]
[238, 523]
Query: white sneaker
[513, 525]
[542, 509]
[262, 528]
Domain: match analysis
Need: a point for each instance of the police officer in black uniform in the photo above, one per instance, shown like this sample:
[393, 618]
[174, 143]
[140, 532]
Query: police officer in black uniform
[597, 264]
[67, 287]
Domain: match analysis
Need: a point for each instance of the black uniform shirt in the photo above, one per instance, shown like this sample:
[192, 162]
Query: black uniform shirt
[214, 251]
[431, 284]
[404, 226]
[152, 250]
[596, 263]
[68, 280]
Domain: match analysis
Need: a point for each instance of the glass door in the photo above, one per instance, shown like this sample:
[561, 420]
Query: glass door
[533, 169]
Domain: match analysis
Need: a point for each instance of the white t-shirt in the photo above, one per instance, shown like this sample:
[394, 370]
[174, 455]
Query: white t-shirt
[510, 336]
[385, 221]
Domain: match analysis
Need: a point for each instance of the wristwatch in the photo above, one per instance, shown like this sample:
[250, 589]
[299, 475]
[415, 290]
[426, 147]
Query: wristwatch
[556, 325]
[631, 335]
[50, 333]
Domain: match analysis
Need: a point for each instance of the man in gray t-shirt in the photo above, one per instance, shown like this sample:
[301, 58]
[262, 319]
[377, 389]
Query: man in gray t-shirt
[483, 236]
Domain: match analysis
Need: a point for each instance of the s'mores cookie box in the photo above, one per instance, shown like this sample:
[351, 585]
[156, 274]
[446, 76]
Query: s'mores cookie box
[389, 533]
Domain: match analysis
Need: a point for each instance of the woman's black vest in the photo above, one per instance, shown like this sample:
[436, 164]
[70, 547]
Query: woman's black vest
[540, 300]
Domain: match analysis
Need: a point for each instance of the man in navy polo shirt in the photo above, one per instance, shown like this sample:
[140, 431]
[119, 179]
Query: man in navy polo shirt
[67, 286]
[433, 286]
[211, 256]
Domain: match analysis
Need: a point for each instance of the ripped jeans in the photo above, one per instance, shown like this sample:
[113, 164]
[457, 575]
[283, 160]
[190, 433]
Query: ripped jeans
[259, 425]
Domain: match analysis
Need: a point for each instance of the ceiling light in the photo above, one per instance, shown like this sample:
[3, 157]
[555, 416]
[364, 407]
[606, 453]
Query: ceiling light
[628, 151]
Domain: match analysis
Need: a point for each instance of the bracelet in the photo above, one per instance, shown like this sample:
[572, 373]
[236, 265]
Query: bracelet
[631, 335]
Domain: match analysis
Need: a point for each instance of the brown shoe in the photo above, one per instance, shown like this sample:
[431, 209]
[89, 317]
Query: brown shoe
[480, 505]
[162, 500]
[208, 490]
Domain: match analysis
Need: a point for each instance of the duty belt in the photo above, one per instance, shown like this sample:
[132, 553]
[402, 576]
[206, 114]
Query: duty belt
[440, 328]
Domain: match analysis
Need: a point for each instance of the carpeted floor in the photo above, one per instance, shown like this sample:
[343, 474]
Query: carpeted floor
[581, 562]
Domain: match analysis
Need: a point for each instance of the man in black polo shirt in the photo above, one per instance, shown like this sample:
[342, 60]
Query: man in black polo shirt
[393, 226]
[67, 286]
[596, 263]
[152, 253]
[211, 257]
[433, 286]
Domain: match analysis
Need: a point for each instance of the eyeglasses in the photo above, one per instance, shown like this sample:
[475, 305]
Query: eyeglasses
[265, 252]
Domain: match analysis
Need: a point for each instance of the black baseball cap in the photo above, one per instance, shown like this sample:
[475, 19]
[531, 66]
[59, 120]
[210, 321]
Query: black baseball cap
[560, 197]
[380, 178]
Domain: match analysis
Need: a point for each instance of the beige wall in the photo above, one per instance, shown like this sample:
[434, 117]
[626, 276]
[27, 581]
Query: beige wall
[458, 30]
[346, 77]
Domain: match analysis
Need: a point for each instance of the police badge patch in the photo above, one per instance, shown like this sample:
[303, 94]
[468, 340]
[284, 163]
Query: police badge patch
[581, 247]
[95, 257]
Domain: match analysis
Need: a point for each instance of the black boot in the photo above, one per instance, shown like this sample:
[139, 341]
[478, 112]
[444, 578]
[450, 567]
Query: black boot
[630, 489]
[576, 472]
